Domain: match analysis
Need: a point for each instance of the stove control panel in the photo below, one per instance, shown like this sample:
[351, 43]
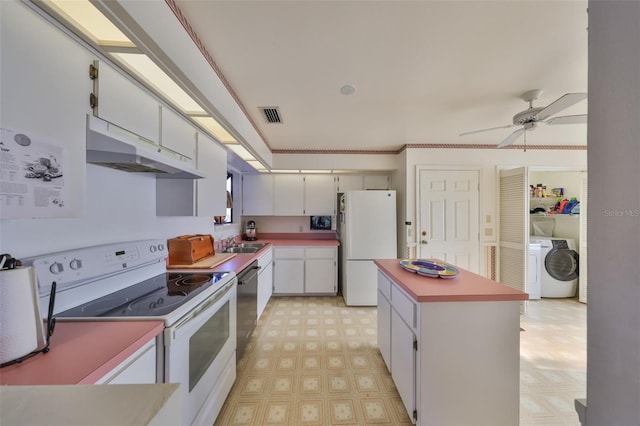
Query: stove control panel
[69, 268]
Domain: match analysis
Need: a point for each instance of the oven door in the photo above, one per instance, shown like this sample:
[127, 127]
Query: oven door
[200, 353]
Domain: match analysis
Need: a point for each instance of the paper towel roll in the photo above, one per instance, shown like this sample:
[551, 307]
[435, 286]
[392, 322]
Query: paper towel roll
[20, 322]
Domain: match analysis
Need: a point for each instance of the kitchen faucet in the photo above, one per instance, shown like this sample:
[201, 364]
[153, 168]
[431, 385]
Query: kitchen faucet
[231, 241]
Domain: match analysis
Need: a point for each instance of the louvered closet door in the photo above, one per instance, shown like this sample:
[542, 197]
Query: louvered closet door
[582, 264]
[514, 216]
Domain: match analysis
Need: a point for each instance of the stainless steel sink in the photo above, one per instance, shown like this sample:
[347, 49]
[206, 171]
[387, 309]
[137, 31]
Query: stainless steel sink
[251, 245]
[239, 249]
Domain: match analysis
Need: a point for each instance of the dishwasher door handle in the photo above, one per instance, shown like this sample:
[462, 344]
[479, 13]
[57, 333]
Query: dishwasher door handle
[242, 278]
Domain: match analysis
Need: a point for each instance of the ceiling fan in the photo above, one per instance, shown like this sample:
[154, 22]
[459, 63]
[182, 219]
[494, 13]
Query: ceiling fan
[531, 117]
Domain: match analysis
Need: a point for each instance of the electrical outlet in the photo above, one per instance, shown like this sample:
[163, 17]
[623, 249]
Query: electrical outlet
[488, 232]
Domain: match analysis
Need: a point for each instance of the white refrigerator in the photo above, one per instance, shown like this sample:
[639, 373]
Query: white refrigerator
[367, 231]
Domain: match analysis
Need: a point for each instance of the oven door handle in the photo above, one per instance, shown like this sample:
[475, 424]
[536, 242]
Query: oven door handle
[204, 306]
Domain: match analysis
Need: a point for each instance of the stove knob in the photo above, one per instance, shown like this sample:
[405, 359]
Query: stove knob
[161, 247]
[75, 264]
[153, 249]
[56, 268]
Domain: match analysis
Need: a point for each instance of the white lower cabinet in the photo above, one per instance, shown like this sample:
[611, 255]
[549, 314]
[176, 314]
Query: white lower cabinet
[320, 270]
[265, 280]
[139, 368]
[288, 272]
[305, 270]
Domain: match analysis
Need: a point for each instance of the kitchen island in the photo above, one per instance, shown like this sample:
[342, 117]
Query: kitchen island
[452, 345]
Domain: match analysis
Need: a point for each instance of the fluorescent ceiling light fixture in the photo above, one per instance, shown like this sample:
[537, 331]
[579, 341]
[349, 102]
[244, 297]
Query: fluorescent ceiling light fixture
[216, 129]
[256, 165]
[91, 21]
[145, 68]
[315, 171]
[88, 20]
[241, 152]
[285, 171]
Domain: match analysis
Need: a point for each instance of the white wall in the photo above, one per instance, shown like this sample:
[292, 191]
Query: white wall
[613, 311]
[120, 206]
[489, 161]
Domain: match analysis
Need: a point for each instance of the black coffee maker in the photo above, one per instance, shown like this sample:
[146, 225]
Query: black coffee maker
[251, 233]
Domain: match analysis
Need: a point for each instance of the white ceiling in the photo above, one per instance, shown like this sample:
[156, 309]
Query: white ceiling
[425, 71]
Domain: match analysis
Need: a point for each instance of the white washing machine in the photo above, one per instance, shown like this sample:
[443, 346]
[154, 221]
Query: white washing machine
[559, 277]
[534, 271]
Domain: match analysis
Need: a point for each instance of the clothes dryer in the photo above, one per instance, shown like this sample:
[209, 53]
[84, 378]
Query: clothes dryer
[560, 272]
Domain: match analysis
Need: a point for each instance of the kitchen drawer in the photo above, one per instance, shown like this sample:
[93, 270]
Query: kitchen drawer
[288, 252]
[320, 252]
[404, 306]
[384, 285]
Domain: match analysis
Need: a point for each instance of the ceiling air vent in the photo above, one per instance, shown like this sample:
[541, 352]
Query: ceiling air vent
[271, 114]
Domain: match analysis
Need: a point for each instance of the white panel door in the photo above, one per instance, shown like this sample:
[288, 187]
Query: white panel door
[514, 227]
[448, 217]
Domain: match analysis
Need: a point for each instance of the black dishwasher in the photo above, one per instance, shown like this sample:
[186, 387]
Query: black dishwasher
[247, 306]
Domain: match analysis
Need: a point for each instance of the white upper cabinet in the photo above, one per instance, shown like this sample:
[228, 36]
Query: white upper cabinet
[346, 183]
[45, 96]
[288, 197]
[125, 104]
[178, 134]
[212, 190]
[257, 195]
[319, 195]
[377, 182]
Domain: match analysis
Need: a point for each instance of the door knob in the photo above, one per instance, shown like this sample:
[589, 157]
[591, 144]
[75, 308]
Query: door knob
[424, 242]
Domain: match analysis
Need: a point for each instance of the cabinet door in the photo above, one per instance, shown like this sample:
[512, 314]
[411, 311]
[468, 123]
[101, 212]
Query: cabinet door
[126, 104]
[319, 195]
[288, 195]
[349, 183]
[265, 280]
[288, 276]
[211, 190]
[376, 182]
[177, 134]
[403, 361]
[257, 195]
[140, 367]
[320, 270]
[384, 329]
[320, 276]
[45, 89]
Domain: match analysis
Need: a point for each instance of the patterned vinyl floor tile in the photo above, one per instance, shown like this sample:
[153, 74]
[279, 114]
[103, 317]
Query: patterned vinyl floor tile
[315, 361]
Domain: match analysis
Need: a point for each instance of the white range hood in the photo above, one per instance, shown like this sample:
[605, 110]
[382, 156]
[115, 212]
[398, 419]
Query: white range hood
[111, 146]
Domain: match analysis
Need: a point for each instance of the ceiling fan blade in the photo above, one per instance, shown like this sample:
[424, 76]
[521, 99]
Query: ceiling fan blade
[563, 102]
[486, 130]
[569, 119]
[511, 138]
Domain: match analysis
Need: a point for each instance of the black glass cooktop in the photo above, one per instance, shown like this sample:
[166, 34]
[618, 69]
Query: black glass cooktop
[156, 296]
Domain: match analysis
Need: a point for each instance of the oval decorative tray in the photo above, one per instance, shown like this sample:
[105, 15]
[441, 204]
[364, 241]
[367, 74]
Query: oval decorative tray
[429, 268]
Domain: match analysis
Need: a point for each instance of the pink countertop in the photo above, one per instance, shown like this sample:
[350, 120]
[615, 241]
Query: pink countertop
[82, 352]
[466, 287]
